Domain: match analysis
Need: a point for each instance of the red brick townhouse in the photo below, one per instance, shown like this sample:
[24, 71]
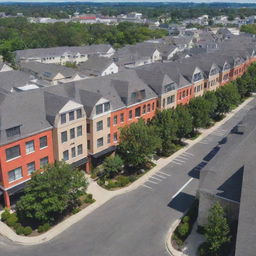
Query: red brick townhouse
[25, 140]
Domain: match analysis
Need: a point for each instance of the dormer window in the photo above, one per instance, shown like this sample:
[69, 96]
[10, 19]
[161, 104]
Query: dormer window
[197, 77]
[102, 108]
[214, 71]
[138, 96]
[226, 67]
[14, 131]
[71, 116]
[79, 113]
[169, 87]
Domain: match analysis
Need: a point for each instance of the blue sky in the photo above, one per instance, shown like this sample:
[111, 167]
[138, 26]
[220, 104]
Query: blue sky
[197, 1]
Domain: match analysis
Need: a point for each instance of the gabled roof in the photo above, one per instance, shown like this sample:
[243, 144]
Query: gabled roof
[95, 65]
[48, 71]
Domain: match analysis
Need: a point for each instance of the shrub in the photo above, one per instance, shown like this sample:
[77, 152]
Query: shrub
[203, 249]
[89, 199]
[11, 220]
[132, 178]
[75, 210]
[20, 230]
[123, 181]
[16, 226]
[43, 228]
[27, 231]
[183, 229]
[5, 215]
[186, 219]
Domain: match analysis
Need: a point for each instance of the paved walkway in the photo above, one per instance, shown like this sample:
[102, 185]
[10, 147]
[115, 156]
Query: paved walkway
[102, 196]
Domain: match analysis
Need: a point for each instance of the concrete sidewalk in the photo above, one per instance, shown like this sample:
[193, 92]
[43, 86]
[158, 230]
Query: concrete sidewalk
[102, 196]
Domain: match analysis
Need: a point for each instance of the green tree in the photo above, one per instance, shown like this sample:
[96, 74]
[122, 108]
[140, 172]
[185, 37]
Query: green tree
[184, 121]
[217, 231]
[138, 143]
[210, 96]
[228, 97]
[112, 165]
[50, 194]
[166, 127]
[199, 109]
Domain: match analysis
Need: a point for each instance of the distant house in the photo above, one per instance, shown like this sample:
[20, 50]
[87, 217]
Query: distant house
[137, 55]
[98, 66]
[62, 55]
[52, 73]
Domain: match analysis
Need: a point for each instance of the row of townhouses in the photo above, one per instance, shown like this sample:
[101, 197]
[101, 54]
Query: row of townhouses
[79, 121]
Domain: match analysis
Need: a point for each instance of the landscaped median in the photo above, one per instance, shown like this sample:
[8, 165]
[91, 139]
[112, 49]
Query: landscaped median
[102, 196]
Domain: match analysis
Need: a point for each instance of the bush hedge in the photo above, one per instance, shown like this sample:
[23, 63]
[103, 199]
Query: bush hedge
[27, 231]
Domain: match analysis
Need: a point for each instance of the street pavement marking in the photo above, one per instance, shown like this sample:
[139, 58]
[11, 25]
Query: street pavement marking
[155, 178]
[152, 182]
[164, 173]
[176, 162]
[160, 176]
[146, 186]
[187, 153]
[203, 142]
[182, 188]
[183, 157]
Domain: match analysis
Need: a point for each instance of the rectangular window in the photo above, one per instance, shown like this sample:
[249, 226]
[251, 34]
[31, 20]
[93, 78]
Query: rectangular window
[100, 142]
[144, 109]
[106, 106]
[65, 155]
[43, 142]
[115, 119]
[148, 108]
[79, 149]
[115, 137]
[153, 106]
[99, 126]
[108, 122]
[130, 114]
[64, 137]
[170, 99]
[99, 109]
[31, 167]
[14, 131]
[122, 118]
[108, 139]
[72, 133]
[15, 174]
[79, 131]
[79, 113]
[63, 118]
[12, 152]
[88, 144]
[73, 152]
[88, 128]
[137, 112]
[71, 116]
[44, 161]
[30, 147]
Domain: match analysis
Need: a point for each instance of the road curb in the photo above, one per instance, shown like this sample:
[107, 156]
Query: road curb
[59, 228]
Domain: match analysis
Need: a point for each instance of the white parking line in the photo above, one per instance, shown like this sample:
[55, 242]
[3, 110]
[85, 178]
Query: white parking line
[165, 173]
[146, 186]
[152, 182]
[182, 188]
[160, 176]
[179, 160]
[190, 154]
[183, 157]
[155, 178]
[176, 162]
[203, 142]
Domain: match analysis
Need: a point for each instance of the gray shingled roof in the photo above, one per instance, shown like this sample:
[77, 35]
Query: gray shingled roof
[48, 71]
[95, 65]
[58, 51]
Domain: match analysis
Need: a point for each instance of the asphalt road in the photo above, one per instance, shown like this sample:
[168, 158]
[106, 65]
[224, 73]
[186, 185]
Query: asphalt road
[136, 223]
